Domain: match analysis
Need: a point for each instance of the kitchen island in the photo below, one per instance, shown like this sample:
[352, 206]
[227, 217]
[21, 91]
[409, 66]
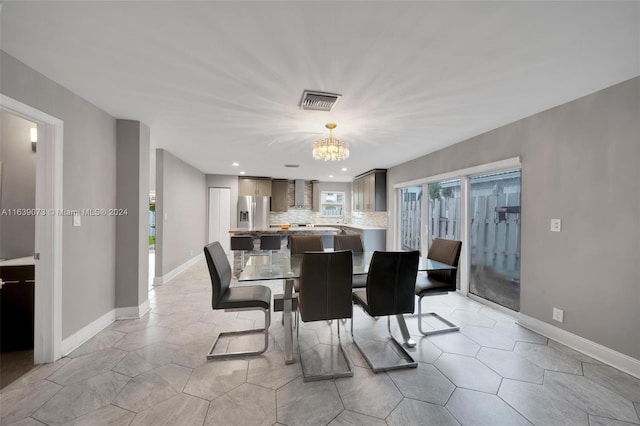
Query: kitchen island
[293, 230]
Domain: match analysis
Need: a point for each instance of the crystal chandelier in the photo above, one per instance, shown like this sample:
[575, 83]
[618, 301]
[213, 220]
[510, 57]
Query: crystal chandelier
[330, 149]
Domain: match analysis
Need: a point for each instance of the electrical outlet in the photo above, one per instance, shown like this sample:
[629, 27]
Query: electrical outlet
[558, 315]
[556, 225]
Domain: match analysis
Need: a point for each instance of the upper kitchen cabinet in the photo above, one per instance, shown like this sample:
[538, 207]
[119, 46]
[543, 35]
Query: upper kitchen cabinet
[370, 191]
[279, 200]
[254, 186]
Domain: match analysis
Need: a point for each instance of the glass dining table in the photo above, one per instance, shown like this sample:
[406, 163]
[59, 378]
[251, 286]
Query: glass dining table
[284, 266]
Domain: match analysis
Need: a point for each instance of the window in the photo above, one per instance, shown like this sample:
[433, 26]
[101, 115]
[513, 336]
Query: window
[331, 203]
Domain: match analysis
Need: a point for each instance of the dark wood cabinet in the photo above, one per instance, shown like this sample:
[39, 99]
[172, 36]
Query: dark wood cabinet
[370, 191]
[254, 186]
[279, 197]
[16, 307]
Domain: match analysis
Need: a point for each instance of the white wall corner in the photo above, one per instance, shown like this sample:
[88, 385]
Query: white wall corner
[133, 312]
[87, 332]
[177, 271]
[595, 350]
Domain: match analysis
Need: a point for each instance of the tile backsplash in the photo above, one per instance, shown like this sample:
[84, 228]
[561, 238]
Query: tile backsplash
[300, 215]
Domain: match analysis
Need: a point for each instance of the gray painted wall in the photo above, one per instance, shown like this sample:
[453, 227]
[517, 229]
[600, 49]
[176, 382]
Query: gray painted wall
[132, 229]
[181, 210]
[18, 190]
[89, 181]
[580, 164]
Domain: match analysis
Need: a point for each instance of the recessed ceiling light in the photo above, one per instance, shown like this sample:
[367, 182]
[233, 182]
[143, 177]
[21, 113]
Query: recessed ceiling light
[344, 169]
[235, 164]
[330, 175]
[242, 173]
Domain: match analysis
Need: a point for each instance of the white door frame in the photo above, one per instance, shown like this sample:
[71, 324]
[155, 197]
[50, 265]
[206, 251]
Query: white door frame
[48, 271]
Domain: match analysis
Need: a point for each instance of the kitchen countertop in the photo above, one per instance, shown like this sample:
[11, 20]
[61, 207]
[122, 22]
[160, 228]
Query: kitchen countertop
[292, 229]
[21, 261]
[361, 227]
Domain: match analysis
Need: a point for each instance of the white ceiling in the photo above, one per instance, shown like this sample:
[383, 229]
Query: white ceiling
[220, 82]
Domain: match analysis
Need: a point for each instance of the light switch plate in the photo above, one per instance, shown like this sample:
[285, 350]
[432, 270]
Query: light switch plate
[556, 225]
[558, 315]
[76, 219]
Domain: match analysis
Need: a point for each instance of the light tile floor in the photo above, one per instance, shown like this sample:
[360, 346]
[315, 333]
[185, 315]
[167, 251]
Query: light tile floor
[153, 371]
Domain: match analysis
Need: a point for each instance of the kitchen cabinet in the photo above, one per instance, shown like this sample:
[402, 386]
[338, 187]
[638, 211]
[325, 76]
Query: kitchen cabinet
[254, 186]
[370, 191]
[357, 195]
[373, 238]
[17, 305]
[279, 200]
[315, 193]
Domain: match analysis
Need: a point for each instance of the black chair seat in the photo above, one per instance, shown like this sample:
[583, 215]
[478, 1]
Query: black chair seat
[426, 285]
[255, 296]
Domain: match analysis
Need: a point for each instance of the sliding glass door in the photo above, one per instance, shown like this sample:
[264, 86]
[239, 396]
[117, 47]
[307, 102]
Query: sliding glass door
[494, 237]
[479, 206]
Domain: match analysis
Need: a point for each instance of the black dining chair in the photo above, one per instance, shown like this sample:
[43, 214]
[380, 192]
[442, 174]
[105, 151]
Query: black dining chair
[298, 244]
[325, 294]
[439, 282]
[270, 243]
[353, 243]
[242, 243]
[389, 291]
[255, 297]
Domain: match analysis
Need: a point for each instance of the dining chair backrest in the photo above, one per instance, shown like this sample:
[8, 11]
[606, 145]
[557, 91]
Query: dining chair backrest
[445, 251]
[325, 285]
[348, 242]
[219, 270]
[302, 243]
[391, 282]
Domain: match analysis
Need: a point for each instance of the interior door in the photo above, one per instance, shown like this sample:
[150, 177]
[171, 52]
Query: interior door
[220, 216]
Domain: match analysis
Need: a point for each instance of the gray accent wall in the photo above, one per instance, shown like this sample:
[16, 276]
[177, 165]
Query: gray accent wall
[132, 228]
[17, 187]
[580, 164]
[181, 208]
[89, 182]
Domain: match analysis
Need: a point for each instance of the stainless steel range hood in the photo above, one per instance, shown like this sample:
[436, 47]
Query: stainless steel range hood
[298, 193]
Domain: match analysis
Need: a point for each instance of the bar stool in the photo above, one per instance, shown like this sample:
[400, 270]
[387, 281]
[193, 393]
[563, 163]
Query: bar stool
[270, 242]
[242, 243]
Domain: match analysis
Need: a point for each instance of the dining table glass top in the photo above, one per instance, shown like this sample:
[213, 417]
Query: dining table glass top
[286, 266]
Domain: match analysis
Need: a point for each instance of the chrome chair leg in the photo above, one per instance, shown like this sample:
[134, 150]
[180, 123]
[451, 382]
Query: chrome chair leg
[265, 330]
[451, 326]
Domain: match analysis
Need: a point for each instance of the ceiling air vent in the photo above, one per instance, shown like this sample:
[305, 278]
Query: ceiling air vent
[318, 101]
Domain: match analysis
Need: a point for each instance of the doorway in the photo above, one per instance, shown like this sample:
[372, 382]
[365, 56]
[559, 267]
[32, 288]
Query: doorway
[48, 230]
[18, 143]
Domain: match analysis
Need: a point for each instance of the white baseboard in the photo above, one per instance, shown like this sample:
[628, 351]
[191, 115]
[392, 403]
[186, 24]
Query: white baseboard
[595, 350]
[74, 341]
[87, 332]
[175, 272]
[133, 312]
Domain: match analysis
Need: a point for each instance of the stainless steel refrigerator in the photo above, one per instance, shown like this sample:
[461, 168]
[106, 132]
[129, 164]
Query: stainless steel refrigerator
[253, 212]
